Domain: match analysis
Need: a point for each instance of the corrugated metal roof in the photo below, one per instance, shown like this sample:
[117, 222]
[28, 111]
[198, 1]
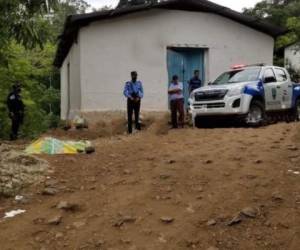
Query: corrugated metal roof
[75, 22]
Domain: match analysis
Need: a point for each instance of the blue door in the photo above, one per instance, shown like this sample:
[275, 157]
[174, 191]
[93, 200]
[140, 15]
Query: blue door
[183, 62]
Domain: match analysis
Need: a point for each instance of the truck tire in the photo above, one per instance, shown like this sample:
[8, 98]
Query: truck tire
[297, 110]
[256, 115]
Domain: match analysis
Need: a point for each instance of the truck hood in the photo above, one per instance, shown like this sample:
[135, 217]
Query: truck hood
[223, 87]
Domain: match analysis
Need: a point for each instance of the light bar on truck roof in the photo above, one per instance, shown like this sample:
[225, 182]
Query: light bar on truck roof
[241, 66]
[238, 66]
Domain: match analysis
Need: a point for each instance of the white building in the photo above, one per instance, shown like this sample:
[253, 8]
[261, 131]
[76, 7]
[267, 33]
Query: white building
[292, 56]
[97, 51]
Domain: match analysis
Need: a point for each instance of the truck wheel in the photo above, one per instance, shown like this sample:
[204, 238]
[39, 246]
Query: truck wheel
[256, 115]
[297, 110]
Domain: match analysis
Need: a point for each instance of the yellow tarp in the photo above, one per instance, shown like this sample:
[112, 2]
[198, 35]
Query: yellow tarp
[49, 145]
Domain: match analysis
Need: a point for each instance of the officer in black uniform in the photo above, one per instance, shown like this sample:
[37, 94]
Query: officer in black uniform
[15, 107]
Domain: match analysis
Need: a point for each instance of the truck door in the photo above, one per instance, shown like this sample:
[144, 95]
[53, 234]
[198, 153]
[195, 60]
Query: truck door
[273, 91]
[286, 86]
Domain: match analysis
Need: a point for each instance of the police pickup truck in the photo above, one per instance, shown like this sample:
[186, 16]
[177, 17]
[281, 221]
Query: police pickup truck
[254, 93]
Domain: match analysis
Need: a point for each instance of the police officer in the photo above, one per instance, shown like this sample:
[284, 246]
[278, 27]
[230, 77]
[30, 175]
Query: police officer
[16, 110]
[134, 93]
[195, 82]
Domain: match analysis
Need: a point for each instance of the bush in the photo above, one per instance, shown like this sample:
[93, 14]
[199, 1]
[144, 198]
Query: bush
[33, 68]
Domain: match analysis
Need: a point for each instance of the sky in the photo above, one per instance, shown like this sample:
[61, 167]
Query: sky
[233, 4]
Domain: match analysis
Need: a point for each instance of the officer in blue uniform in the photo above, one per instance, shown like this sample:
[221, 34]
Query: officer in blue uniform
[134, 93]
[15, 107]
[195, 82]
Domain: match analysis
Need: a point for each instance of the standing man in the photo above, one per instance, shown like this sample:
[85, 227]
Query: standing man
[134, 92]
[16, 110]
[177, 102]
[195, 82]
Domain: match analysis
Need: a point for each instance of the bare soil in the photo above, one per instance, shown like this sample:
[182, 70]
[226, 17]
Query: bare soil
[182, 189]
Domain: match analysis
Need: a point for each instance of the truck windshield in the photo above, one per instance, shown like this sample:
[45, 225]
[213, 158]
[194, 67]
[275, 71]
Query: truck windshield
[242, 75]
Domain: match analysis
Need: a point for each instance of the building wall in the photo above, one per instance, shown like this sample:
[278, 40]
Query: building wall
[110, 49]
[292, 57]
[63, 90]
[73, 59]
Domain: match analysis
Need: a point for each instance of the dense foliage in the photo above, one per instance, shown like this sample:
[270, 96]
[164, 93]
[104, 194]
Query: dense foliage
[33, 68]
[285, 13]
[29, 31]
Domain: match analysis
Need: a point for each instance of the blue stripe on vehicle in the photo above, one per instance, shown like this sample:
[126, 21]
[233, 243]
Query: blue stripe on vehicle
[257, 90]
[296, 94]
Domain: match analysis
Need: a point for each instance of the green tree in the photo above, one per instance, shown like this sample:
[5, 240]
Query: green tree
[17, 20]
[283, 13]
[29, 30]
[64, 9]
[33, 69]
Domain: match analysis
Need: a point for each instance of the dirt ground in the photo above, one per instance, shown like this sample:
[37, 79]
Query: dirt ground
[224, 188]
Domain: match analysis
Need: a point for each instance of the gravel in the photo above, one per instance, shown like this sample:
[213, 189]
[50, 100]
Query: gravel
[18, 170]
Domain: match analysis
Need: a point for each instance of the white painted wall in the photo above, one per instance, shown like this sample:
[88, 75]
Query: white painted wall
[64, 90]
[110, 49]
[292, 56]
[73, 59]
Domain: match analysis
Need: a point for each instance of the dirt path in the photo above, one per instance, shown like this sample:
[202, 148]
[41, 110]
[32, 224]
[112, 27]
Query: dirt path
[177, 191]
